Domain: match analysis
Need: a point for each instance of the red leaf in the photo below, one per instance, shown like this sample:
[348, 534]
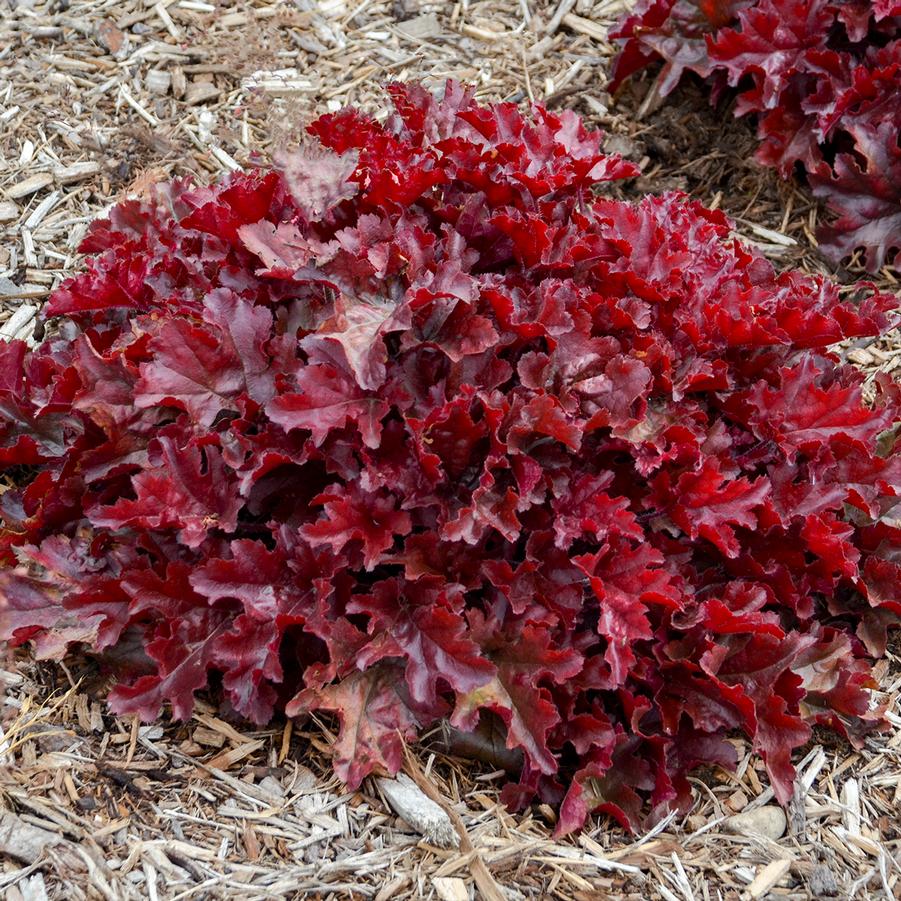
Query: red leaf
[358, 516]
[188, 490]
[706, 504]
[543, 415]
[422, 628]
[248, 657]
[205, 371]
[183, 651]
[191, 370]
[359, 327]
[515, 696]
[282, 248]
[66, 602]
[328, 399]
[801, 415]
[375, 721]
[586, 508]
[259, 578]
[317, 178]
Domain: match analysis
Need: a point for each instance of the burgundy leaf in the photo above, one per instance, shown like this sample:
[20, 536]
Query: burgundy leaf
[356, 515]
[188, 490]
[375, 720]
[329, 398]
[317, 178]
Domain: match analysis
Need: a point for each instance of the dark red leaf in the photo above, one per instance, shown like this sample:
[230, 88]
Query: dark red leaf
[356, 515]
[375, 721]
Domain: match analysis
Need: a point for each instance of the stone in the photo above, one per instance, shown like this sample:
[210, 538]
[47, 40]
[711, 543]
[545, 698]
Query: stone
[768, 821]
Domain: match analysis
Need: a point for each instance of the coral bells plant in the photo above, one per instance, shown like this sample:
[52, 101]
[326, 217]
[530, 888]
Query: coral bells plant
[421, 426]
[823, 78]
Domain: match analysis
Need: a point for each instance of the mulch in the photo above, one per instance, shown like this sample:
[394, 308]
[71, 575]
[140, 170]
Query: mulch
[99, 99]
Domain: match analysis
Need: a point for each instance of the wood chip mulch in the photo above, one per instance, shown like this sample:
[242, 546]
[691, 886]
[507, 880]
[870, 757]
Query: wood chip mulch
[101, 98]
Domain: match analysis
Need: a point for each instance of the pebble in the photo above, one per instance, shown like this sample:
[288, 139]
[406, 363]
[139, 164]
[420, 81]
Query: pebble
[768, 821]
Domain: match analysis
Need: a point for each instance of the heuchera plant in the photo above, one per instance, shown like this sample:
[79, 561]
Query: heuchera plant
[419, 426]
[823, 78]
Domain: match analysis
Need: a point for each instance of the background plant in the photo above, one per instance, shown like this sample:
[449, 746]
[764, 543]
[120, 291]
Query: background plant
[821, 77]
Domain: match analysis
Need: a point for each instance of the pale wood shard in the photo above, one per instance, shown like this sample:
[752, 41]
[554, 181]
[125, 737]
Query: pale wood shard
[450, 888]
[76, 172]
[22, 840]
[480, 33]
[420, 28]
[851, 816]
[585, 26]
[768, 877]
[198, 92]
[279, 82]
[423, 814]
[158, 81]
[231, 20]
[137, 106]
[9, 212]
[563, 7]
[33, 888]
[30, 185]
[228, 759]
[166, 19]
[768, 821]
[19, 322]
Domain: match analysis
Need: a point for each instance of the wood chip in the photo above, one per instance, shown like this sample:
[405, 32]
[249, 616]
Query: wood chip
[30, 185]
[424, 815]
[166, 19]
[9, 212]
[480, 34]
[228, 759]
[420, 28]
[158, 81]
[69, 175]
[851, 806]
[199, 92]
[772, 235]
[769, 821]
[279, 82]
[231, 20]
[585, 26]
[23, 841]
[768, 877]
[563, 7]
[110, 36]
[179, 83]
[138, 107]
[19, 325]
[449, 888]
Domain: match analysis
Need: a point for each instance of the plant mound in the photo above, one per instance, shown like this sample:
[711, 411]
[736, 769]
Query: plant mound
[419, 426]
[823, 78]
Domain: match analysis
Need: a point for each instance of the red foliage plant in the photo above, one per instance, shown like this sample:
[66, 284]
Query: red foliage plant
[420, 426]
[823, 78]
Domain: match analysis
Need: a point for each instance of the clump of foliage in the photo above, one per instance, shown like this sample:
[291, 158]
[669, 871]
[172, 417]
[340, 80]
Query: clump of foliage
[823, 78]
[420, 426]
